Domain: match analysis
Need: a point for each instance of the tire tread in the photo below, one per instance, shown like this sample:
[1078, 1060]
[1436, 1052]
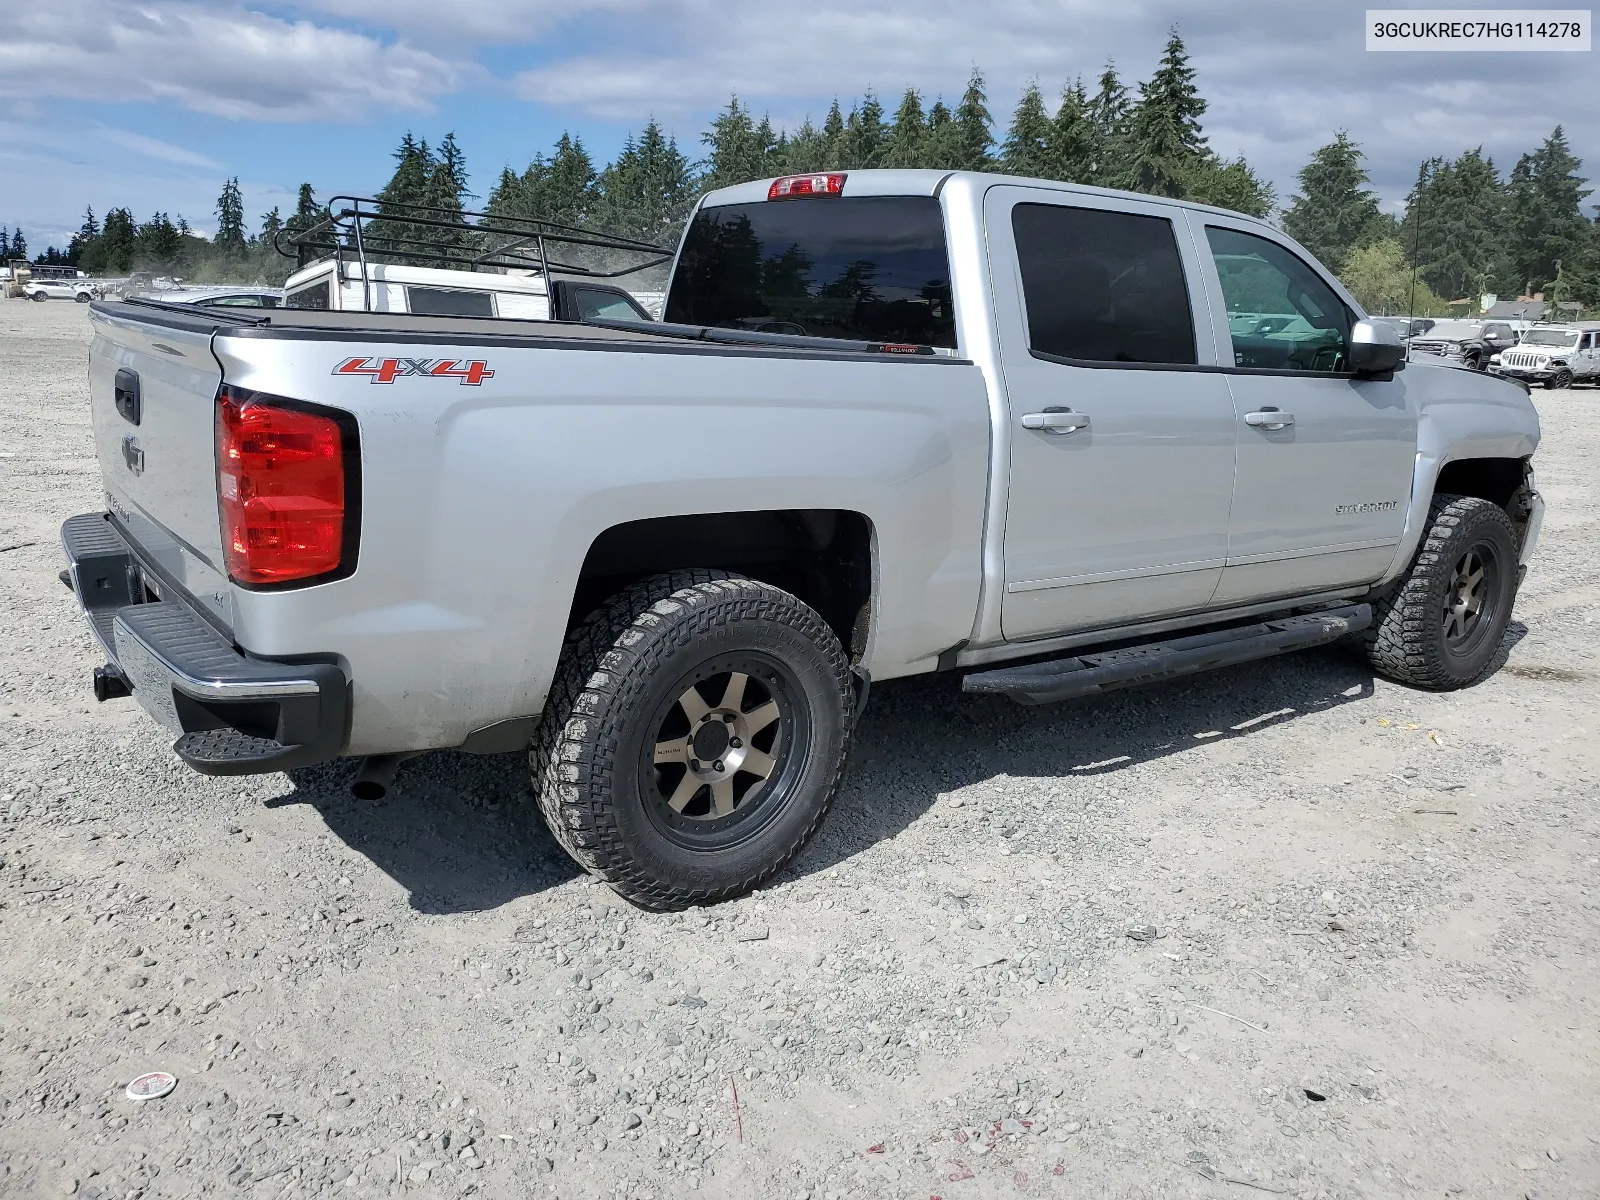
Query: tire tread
[609, 656]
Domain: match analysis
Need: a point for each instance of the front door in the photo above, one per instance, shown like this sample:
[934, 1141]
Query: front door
[1120, 422]
[1325, 459]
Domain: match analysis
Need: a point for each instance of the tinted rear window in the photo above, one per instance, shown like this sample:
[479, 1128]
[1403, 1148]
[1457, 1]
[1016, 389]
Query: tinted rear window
[315, 296]
[449, 302]
[1103, 286]
[867, 268]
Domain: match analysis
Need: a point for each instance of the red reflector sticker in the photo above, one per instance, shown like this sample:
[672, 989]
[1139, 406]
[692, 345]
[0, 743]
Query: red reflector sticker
[792, 186]
[467, 372]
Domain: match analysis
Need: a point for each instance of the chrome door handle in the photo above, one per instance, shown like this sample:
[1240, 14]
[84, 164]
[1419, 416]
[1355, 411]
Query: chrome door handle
[1269, 419]
[1055, 421]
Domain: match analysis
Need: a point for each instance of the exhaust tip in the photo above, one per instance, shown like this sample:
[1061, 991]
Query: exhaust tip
[376, 776]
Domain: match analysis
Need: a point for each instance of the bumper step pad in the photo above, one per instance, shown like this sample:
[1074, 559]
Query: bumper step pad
[234, 714]
[1090, 674]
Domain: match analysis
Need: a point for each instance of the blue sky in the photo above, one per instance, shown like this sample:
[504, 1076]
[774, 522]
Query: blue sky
[153, 103]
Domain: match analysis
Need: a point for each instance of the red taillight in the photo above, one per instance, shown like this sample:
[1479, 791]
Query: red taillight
[281, 489]
[790, 186]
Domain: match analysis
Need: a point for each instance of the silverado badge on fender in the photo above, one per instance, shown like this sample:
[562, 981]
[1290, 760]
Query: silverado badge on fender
[468, 372]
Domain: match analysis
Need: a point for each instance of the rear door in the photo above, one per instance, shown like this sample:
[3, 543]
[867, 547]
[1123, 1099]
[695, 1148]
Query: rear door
[1121, 425]
[1325, 460]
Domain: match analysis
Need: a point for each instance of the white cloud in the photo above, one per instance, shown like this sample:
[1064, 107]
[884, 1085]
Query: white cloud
[474, 22]
[1280, 78]
[223, 60]
[149, 147]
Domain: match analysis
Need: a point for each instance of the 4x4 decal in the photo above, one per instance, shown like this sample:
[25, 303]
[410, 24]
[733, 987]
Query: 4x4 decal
[468, 372]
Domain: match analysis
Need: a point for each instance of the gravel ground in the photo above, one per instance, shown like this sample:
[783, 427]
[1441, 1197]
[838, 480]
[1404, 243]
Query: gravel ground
[1284, 929]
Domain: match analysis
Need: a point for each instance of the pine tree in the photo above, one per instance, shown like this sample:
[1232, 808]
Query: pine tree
[392, 233]
[559, 189]
[158, 243]
[1543, 206]
[1335, 212]
[741, 150]
[833, 136]
[84, 248]
[443, 194]
[118, 240]
[1454, 227]
[306, 212]
[230, 240]
[1073, 141]
[906, 142]
[19, 245]
[1108, 117]
[807, 149]
[1164, 138]
[864, 135]
[972, 126]
[648, 190]
[1212, 180]
[1026, 150]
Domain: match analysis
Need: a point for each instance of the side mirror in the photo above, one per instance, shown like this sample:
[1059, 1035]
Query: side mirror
[1376, 349]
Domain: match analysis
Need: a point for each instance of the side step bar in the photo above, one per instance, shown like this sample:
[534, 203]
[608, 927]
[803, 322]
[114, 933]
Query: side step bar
[1090, 674]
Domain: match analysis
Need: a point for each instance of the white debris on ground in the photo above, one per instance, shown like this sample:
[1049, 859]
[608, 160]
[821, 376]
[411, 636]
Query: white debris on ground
[1284, 929]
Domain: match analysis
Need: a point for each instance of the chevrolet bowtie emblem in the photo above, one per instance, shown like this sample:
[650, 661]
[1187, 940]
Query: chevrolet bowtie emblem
[132, 454]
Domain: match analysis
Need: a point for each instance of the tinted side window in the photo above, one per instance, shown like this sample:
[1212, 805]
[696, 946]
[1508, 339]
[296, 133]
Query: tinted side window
[448, 302]
[1282, 315]
[605, 305]
[1103, 287]
[315, 296]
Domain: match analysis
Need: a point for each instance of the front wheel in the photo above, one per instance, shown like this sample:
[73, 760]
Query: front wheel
[82, 297]
[1561, 379]
[694, 737]
[1440, 625]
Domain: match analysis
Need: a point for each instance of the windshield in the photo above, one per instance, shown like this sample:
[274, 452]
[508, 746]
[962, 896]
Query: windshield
[867, 268]
[1455, 331]
[1550, 337]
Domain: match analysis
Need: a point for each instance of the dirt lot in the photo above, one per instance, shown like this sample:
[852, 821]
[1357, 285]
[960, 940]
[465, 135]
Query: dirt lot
[1373, 971]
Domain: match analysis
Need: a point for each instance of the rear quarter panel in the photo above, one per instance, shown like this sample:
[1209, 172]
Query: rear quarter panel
[480, 502]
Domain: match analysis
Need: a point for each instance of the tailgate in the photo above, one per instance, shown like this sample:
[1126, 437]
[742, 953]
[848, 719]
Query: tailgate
[152, 395]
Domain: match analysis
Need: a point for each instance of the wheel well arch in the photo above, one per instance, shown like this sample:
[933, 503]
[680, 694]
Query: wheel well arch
[823, 556]
[1497, 480]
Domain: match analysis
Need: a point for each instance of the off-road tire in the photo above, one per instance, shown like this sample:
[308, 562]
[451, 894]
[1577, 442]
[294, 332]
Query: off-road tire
[602, 711]
[1406, 641]
[1561, 379]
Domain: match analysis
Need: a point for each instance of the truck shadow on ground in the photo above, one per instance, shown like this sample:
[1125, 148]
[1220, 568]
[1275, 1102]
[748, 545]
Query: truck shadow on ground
[460, 833]
[923, 737]
[457, 831]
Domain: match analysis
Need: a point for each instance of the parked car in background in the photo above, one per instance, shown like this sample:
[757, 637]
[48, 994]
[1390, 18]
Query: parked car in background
[1555, 355]
[1468, 343]
[81, 290]
[224, 297]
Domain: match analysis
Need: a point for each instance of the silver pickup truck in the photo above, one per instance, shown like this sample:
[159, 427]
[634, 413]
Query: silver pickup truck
[1061, 439]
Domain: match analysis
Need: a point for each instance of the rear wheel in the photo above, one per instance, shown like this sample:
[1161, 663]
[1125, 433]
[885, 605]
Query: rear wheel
[693, 738]
[1441, 624]
[39, 297]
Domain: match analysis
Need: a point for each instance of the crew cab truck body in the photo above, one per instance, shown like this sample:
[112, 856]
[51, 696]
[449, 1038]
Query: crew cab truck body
[893, 423]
